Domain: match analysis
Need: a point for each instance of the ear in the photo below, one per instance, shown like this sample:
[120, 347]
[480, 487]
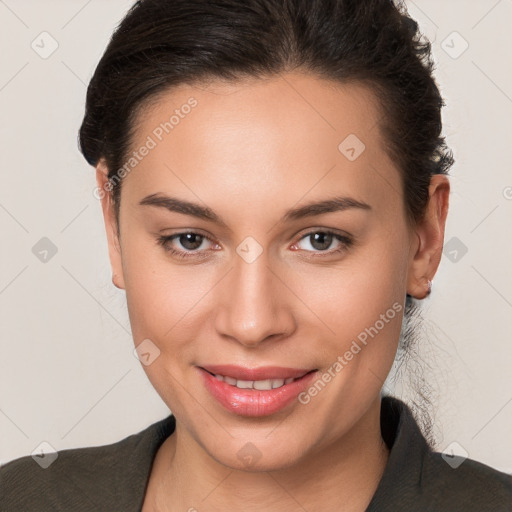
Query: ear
[111, 227]
[428, 248]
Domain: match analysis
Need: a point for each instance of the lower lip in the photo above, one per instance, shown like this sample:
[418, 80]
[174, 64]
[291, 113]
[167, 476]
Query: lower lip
[254, 402]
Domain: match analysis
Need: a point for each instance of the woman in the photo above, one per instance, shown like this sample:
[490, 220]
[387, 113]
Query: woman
[274, 187]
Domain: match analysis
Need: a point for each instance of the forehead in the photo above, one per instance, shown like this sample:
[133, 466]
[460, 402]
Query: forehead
[280, 136]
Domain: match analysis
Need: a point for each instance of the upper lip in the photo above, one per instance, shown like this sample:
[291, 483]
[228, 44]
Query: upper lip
[260, 373]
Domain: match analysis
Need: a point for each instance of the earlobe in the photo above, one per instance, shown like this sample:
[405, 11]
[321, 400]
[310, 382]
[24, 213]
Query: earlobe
[430, 234]
[111, 224]
[116, 283]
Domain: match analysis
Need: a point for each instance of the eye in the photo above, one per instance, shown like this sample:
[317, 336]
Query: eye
[322, 240]
[190, 241]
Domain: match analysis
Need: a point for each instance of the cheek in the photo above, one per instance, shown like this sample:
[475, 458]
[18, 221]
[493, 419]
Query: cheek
[162, 297]
[163, 302]
[171, 305]
[360, 304]
[360, 288]
[156, 291]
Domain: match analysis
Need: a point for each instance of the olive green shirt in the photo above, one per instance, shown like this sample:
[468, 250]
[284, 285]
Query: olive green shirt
[114, 477]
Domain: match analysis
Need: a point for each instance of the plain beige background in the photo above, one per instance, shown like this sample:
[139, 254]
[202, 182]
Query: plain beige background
[68, 375]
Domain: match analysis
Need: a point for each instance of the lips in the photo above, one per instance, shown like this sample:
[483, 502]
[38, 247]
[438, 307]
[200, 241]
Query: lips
[255, 392]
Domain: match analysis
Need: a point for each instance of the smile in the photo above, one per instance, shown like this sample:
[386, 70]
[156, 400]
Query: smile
[255, 392]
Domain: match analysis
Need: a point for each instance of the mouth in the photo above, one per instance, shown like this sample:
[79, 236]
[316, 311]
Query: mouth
[255, 392]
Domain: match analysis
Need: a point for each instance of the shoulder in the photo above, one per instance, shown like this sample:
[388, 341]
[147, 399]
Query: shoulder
[67, 481]
[83, 478]
[419, 479]
[456, 483]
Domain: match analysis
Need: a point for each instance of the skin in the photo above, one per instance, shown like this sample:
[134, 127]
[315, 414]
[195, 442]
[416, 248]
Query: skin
[251, 151]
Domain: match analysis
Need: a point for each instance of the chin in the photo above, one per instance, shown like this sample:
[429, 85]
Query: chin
[256, 455]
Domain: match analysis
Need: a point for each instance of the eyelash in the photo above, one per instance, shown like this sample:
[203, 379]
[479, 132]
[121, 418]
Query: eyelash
[345, 240]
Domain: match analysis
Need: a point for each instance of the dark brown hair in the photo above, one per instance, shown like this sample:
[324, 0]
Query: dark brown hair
[164, 43]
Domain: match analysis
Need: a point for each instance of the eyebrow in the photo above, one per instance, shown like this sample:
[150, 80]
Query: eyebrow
[173, 204]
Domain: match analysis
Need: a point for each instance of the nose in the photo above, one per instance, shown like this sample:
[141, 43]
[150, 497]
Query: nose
[253, 305]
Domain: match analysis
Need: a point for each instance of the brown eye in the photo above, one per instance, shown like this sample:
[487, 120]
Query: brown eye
[184, 245]
[322, 241]
[190, 241]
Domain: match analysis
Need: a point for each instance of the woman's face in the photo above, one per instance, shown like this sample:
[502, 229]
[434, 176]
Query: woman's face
[266, 279]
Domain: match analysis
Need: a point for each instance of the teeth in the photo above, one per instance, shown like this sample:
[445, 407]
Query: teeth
[261, 385]
[277, 383]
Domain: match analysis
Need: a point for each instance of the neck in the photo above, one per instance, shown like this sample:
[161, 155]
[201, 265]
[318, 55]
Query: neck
[342, 476]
